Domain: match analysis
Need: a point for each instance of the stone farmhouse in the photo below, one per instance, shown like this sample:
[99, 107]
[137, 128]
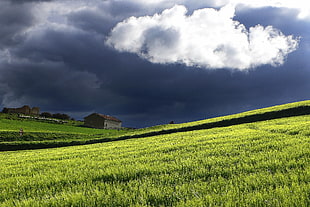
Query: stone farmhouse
[23, 110]
[101, 121]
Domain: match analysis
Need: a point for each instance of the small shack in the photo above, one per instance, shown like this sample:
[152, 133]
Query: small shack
[101, 121]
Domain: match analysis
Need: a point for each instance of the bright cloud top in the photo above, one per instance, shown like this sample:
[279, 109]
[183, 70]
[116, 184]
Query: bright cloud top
[208, 38]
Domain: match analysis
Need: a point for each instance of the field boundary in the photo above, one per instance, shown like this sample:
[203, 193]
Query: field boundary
[284, 113]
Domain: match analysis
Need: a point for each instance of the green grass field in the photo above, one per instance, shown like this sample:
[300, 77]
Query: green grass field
[233, 166]
[265, 163]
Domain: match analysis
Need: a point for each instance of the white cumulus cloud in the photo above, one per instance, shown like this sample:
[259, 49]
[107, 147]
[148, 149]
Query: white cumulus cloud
[207, 38]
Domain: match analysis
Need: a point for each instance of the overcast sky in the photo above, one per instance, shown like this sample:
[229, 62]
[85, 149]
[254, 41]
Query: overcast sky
[151, 62]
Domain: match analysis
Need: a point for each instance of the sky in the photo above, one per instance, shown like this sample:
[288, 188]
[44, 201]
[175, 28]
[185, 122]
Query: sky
[152, 62]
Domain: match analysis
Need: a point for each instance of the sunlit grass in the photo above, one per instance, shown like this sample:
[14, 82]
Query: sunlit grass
[257, 164]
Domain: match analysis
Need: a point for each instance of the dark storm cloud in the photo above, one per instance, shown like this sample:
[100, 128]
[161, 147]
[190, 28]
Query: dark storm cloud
[73, 47]
[49, 85]
[26, 1]
[65, 66]
[287, 23]
[93, 21]
[13, 20]
[125, 9]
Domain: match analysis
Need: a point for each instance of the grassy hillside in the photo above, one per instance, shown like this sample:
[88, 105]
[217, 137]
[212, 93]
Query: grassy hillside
[40, 134]
[263, 163]
[279, 111]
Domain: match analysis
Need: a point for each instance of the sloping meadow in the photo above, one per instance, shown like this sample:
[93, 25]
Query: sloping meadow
[39, 135]
[264, 163]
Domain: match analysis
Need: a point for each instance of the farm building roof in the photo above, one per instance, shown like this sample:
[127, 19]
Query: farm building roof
[105, 117]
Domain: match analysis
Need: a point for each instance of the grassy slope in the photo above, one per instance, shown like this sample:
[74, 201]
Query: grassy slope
[47, 135]
[256, 164]
[263, 114]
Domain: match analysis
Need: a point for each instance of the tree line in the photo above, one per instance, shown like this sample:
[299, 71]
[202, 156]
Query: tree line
[56, 116]
[47, 115]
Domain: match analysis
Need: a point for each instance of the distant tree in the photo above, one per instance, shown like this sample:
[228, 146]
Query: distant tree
[61, 116]
[5, 110]
[172, 122]
[46, 115]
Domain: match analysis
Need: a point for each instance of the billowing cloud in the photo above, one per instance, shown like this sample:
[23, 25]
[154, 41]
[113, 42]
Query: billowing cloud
[207, 38]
